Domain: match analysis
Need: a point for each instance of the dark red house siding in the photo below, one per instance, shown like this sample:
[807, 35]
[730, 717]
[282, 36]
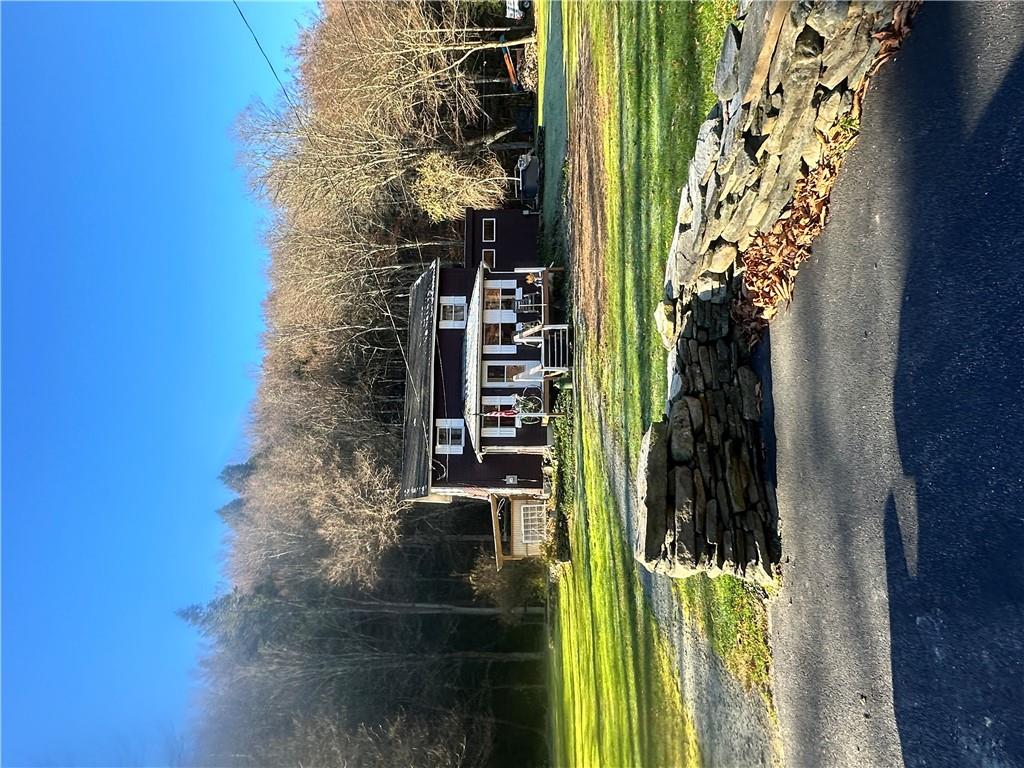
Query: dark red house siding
[463, 469]
[515, 243]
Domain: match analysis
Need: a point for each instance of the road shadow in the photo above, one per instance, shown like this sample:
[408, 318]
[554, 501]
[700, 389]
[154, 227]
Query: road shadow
[955, 571]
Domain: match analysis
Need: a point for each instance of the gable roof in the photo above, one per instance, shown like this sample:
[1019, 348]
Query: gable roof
[471, 364]
[419, 384]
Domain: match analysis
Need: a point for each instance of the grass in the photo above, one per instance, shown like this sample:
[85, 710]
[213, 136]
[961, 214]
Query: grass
[616, 698]
[618, 701]
[732, 615]
[565, 480]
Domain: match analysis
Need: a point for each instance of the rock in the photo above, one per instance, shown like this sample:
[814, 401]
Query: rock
[735, 227]
[767, 124]
[790, 167]
[723, 257]
[760, 33]
[682, 432]
[684, 526]
[686, 325]
[716, 367]
[773, 508]
[693, 185]
[826, 17]
[749, 386]
[703, 461]
[711, 288]
[725, 83]
[784, 48]
[732, 133]
[687, 265]
[724, 360]
[692, 351]
[705, 153]
[711, 198]
[711, 522]
[714, 431]
[740, 174]
[665, 322]
[675, 386]
[762, 573]
[757, 213]
[828, 111]
[718, 403]
[796, 117]
[723, 502]
[720, 321]
[739, 548]
[685, 213]
[733, 420]
[696, 414]
[813, 151]
[700, 499]
[845, 51]
[856, 76]
[705, 367]
[652, 492]
[728, 552]
[736, 476]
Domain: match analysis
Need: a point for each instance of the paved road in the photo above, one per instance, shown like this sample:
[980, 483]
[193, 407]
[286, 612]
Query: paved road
[899, 397]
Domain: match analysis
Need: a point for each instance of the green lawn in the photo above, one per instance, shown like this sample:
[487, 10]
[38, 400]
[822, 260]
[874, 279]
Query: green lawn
[732, 615]
[615, 694]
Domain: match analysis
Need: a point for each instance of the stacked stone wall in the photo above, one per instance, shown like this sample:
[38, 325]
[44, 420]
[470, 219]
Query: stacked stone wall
[784, 77]
[705, 504]
[788, 72]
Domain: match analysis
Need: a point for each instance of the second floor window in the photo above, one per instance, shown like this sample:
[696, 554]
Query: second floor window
[453, 312]
[450, 436]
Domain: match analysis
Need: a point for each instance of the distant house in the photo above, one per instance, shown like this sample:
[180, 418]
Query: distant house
[482, 353]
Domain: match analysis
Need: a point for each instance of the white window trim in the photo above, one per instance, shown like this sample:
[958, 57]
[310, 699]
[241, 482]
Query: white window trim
[536, 536]
[494, 231]
[484, 254]
[449, 424]
[454, 301]
[500, 317]
[490, 402]
[505, 382]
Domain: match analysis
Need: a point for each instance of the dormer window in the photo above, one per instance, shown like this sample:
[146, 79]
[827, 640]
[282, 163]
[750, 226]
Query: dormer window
[451, 435]
[453, 312]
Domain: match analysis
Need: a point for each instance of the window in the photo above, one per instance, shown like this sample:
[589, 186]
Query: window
[501, 294]
[498, 418]
[453, 312]
[451, 436]
[500, 374]
[499, 338]
[489, 230]
[534, 517]
[487, 256]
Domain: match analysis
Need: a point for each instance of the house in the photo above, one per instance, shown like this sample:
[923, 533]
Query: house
[483, 351]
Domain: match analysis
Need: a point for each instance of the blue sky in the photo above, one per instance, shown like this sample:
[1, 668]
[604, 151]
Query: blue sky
[132, 276]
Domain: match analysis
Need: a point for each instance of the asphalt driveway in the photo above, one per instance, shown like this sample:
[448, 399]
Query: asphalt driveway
[898, 387]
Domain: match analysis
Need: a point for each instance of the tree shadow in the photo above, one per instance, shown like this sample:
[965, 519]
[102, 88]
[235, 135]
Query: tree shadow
[955, 575]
